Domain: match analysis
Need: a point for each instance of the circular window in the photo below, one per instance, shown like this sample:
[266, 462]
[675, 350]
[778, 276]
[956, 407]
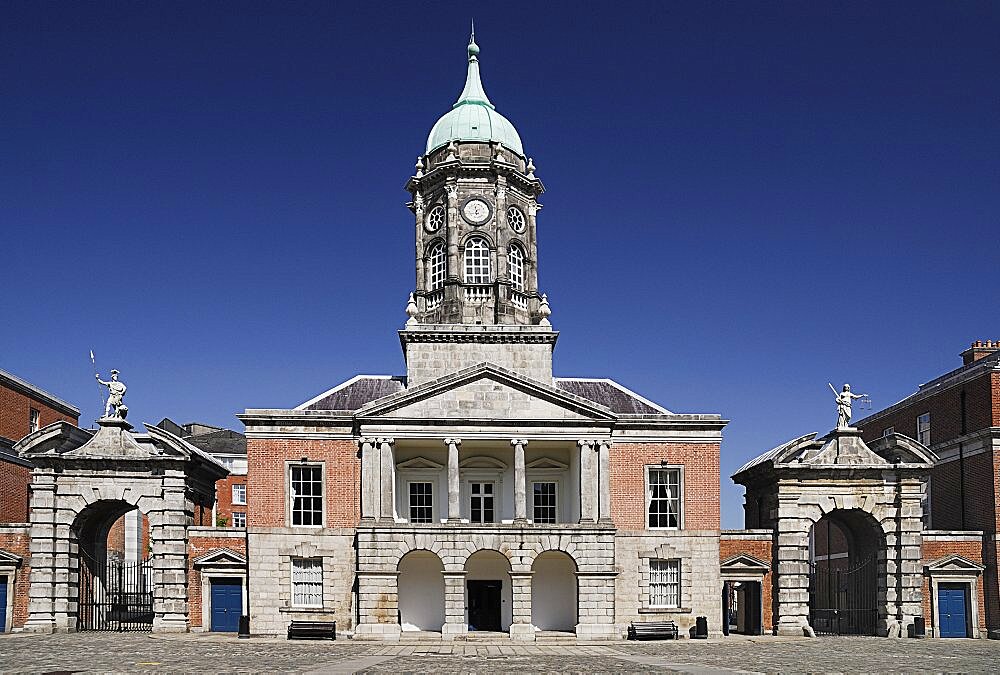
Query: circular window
[515, 219]
[435, 219]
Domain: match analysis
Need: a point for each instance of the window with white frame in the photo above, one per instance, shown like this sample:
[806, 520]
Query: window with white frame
[664, 583]
[481, 507]
[515, 267]
[239, 519]
[240, 494]
[663, 497]
[543, 504]
[306, 494]
[924, 428]
[477, 261]
[888, 431]
[421, 502]
[34, 420]
[307, 582]
[437, 266]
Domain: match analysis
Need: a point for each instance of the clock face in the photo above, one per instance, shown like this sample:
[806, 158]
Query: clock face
[476, 211]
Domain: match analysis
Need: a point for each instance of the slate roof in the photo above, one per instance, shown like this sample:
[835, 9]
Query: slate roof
[224, 442]
[611, 395]
[355, 393]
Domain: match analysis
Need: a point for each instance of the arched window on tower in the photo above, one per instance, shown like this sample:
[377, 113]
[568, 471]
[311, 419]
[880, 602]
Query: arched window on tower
[477, 261]
[515, 267]
[438, 266]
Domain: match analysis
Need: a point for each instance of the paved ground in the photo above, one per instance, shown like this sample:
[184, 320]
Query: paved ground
[108, 652]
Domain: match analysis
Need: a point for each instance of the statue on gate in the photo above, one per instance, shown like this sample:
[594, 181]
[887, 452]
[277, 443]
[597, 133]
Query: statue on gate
[844, 401]
[116, 392]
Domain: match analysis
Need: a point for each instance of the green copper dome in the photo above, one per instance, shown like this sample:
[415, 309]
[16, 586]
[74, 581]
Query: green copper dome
[473, 117]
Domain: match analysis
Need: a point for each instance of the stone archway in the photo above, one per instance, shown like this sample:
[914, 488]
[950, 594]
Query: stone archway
[81, 485]
[488, 591]
[421, 592]
[847, 557]
[554, 592]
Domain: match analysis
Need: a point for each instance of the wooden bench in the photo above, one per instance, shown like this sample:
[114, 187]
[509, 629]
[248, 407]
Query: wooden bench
[653, 630]
[312, 630]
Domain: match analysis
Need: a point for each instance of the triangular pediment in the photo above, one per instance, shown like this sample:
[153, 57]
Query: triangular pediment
[744, 563]
[953, 564]
[222, 557]
[486, 391]
[8, 559]
[419, 463]
[546, 463]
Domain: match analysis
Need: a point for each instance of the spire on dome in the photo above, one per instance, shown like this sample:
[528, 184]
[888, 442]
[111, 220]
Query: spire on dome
[473, 92]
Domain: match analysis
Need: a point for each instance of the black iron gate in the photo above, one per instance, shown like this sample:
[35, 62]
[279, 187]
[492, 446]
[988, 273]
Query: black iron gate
[844, 601]
[115, 595]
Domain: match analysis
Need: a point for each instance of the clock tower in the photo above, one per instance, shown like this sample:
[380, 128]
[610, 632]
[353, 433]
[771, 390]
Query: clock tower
[475, 201]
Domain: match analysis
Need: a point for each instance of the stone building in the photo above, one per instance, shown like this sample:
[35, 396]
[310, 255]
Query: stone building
[479, 492]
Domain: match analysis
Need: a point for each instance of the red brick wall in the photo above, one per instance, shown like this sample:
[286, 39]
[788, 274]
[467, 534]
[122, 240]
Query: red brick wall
[14, 480]
[199, 546]
[946, 412]
[995, 396]
[701, 482]
[224, 495]
[15, 410]
[17, 543]
[932, 550]
[761, 550]
[267, 475]
[981, 508]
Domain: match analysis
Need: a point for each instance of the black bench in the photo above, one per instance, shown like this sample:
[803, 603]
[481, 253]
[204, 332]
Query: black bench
[653, 630]
[312, 630]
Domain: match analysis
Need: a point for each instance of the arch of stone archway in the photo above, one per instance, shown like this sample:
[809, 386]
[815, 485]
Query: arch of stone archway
[489, 565]
[420, 591]
[554, 592]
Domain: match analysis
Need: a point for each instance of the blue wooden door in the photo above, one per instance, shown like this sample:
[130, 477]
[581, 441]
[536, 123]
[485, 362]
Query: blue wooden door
[951, 610]
[3, 603]
[227, 605]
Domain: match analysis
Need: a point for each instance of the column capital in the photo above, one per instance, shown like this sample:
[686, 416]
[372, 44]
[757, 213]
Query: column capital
[386, 441]
[518, 441]
[367, 440]
[607, 442]
[585, 443]
[453, 441]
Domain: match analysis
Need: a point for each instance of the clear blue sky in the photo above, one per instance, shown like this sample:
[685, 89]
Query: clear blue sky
[745, 200]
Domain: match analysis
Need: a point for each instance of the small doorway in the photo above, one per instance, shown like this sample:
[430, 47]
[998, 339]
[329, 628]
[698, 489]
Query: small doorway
[484, 604]
[227, 605]
[742, 607]
[952, 610]
[3, 603]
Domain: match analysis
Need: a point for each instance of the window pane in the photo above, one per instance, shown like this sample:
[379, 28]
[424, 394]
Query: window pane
[307, 495]
[664, 498]
[438, 266]
[664, 583]
[477, 262]
[421, 503]
[515, 267]
[307, 582]
[544, 502]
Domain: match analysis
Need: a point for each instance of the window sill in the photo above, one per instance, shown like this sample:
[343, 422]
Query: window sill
[665, 610]
[304, 610]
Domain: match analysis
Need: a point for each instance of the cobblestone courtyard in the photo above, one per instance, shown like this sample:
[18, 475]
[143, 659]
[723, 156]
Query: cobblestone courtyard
[108, 652]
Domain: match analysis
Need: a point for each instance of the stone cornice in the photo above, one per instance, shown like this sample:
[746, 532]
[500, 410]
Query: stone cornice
[477, 334]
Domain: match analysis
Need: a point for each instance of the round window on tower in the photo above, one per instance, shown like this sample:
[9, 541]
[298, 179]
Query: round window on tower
[435, 219]
[515, 218]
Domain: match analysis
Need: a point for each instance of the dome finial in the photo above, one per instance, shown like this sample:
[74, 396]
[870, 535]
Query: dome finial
[473, 47]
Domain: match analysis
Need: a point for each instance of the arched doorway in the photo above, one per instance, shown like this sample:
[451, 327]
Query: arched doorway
[488, 596]
[421, 592]
[554, 592]
[846, 555]
[115, 582]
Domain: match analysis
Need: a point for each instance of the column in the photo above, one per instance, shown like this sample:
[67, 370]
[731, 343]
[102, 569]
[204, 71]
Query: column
[520, 507]
[452, 232]
[387, 479]
[454, 605]
[454, 516]
[588, 482]
[370, 471]
[521, 629]
[604, 481]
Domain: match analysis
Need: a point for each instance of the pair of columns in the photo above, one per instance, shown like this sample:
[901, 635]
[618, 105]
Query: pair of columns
[595, 481]
[378, 474]
[454, 485]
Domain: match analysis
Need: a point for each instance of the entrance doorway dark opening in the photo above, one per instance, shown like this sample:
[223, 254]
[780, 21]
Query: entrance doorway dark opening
[846, 553]
[484, 605]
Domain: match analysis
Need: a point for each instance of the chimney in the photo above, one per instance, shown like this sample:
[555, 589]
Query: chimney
[978, 350]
